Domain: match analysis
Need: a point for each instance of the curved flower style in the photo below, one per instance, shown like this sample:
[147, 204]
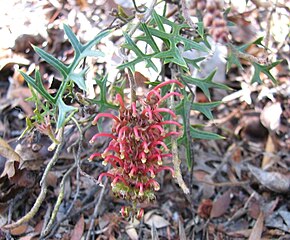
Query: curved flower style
[137, 148]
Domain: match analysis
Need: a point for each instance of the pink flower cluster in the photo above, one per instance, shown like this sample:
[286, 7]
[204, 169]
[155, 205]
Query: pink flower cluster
[137, 148]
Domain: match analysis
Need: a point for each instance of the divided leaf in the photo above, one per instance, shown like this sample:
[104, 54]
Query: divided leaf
[205, 84]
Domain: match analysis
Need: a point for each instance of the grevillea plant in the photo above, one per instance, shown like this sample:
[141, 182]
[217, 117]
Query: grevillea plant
[138, 147]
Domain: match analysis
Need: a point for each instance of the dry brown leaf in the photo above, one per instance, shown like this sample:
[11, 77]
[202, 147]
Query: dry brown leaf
[271, 116]
[204, 208]
[221, 205]
[132, 232]
[269, 150]
[158, 221]
[19, 230]
[256, 233]
[275, 181]
[12, 157]
[181, 230]
[78, 229]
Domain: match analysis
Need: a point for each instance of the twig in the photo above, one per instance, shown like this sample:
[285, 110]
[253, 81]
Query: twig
[46, 217]
[268, 29]
[56, 225]
[96, 210]
[136, 7]
[248, 57]
[268, 4]
[174, 149]
[224, 184]
[186, 15]
[133, 86]
[43, 190]
[58, 201]
[62, 184]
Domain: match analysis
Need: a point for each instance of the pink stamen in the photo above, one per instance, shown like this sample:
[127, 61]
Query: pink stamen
[148, 98]
[157, 127]
[143, 158]
[120, 100]
[133, 171]
[137, 137]
[102, 135]
[171, 133]
[124, 212]
[154, 183]
[145, 147]
[109, 115]
[158, 110]
[94, 155]
[105, 174]
[165, 168]
[171, 122]
[118, 160]
[168, 95]
[149, 114]
[134, 114]
[141, 188]
[122, 133]
[152, 173]
[140, 213]
[160, 143]
[166, 83]
[117, 179]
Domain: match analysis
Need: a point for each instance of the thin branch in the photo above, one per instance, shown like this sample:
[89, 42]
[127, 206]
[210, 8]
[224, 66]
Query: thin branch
[43, 190]
[174, 150]
[96, 210]
[136, 7]
[186, 15]
[133, 86]
[58, 201]
[248, 57]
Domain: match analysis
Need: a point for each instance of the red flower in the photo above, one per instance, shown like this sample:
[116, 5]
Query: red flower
[136, 150]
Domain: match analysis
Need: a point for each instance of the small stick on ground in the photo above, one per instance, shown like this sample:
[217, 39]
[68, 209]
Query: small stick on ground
[96, 210]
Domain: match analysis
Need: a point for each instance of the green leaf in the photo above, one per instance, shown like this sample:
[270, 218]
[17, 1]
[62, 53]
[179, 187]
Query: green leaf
[205, 83]
[148, 38]
[92, 53]
[140, 56]
[51, 60]
[73, 39]
[194, 62]
[38, 85]
[63, 111]
[199, 134]
[102, 101]
[79, 79]
[205, 108]
[97, 39]
[264, 69]
[232, 59]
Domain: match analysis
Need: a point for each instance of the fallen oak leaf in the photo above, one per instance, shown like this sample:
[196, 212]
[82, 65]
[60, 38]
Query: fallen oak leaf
[12, 157]
[275, 181]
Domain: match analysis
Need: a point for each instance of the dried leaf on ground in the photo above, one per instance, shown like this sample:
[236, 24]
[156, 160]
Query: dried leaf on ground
[78, 229]
[275, 181]
[19, 230]
[12, 157]
[258, 228]
[158, 221]
[131, 231]
[221, 205]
